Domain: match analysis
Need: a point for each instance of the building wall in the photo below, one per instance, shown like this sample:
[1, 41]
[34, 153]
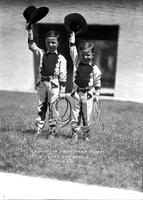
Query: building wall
[16, 61]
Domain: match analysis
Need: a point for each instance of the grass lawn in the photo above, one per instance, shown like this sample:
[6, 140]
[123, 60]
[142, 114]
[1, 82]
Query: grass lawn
[113, 157]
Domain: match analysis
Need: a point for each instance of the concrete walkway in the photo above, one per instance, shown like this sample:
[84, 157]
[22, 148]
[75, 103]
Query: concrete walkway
[14, 186]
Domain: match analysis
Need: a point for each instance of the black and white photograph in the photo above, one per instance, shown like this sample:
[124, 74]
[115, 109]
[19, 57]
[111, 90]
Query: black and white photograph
[71, 99]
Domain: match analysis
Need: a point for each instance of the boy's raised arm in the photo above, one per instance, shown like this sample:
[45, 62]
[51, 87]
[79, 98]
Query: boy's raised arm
[73, 49]
[31, 43]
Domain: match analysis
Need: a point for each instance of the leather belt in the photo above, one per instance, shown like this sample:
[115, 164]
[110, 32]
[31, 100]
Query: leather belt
[48, 78]
[84, 90]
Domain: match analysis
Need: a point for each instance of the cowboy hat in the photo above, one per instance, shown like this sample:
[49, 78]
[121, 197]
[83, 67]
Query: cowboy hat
[75, 22]
[33, 14]
[28, 11]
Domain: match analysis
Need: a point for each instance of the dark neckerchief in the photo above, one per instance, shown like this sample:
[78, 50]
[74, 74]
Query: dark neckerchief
[83, 75]
[50, 59]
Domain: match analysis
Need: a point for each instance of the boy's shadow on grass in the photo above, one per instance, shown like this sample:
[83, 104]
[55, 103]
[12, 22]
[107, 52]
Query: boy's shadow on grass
[29, 131]
[45, 134]
[61, 135]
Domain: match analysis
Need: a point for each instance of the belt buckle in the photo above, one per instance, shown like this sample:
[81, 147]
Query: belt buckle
[81, 90]
[52, 77]
[45, 79]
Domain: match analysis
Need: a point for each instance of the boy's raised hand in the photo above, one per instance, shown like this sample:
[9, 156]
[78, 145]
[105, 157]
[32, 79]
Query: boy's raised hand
[27, 27]
[62, 95]
[72, 38]
[96, 98]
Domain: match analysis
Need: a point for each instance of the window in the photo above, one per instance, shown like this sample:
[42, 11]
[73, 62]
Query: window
[105, 41]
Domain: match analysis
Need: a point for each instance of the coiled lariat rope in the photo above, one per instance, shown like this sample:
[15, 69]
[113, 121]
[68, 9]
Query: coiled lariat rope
[62, 119]
[97, 109]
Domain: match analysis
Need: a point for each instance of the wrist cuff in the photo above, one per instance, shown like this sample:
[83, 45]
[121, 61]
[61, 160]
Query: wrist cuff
[72, 44]
[97, 88]
[62, 89]
[63, 84]
[30, 40]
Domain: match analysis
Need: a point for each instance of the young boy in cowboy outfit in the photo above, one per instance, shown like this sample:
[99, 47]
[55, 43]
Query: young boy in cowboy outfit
[52, 76]
[86, 85]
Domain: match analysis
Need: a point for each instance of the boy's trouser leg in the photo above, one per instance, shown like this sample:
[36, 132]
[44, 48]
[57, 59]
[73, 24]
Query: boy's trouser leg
[53, 95]
[42, 105]
[47, 93]
[87, 112]
[76, 114]
[51, 120]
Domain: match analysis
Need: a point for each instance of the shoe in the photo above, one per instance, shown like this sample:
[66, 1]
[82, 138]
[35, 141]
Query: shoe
[39, 126]
[38, 132]
[51, 122]
[86, 137]
[52, 131]
[75, 136]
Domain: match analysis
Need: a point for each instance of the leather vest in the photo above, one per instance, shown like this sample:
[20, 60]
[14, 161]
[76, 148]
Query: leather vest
[83, 75]
[49, 64]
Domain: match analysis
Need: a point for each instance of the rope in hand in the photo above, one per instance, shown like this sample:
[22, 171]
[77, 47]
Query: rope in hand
[97, 109]
[65, 118]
